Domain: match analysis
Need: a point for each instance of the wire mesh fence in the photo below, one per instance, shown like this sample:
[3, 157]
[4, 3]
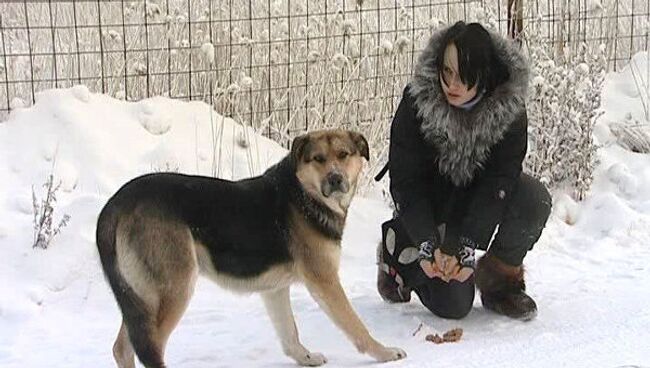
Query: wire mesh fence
[281, 66]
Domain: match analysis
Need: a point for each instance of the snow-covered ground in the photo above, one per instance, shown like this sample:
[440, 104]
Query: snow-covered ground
[591, 277]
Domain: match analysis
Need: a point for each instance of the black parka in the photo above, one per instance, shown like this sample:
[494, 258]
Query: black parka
[445, 160]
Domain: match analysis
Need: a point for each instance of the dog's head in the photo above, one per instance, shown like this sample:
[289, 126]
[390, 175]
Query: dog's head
[328, 163]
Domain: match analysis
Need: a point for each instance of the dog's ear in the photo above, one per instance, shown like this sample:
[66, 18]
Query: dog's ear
[299, 147]
[361, 143]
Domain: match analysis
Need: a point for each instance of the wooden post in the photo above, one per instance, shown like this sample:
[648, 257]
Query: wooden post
[515, 19]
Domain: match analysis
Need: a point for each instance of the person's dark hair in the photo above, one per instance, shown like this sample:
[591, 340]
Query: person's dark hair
[478, 62]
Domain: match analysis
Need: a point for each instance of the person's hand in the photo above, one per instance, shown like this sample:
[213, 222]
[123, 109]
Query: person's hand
[428, 250]
[431, 267]
[452, 269]
[447, 267]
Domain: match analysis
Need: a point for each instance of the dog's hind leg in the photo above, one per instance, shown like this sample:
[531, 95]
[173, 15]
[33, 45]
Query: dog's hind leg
[123, 350]
[171, 310]
[150, 339]
[178, 278]
[157, 261]
[278, 306]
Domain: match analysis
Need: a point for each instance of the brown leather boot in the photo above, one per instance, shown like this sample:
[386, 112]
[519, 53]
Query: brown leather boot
[387, 286]
[503, 289]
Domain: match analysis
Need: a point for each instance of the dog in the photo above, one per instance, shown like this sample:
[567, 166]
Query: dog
[158, 232]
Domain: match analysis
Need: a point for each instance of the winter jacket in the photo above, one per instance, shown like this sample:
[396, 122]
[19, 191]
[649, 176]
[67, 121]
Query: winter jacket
[443, 156]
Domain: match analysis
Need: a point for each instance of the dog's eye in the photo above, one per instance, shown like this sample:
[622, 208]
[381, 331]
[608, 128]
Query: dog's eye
[342, 155]
[319, 158]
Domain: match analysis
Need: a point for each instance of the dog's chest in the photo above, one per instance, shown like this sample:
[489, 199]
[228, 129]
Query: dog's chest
[311, 249]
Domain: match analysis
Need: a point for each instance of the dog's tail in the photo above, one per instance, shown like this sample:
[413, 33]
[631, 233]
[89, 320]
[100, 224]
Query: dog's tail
[139, 321]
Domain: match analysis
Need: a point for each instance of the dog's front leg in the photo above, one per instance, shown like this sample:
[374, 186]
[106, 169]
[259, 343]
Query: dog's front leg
[328, 292]
[278, 306]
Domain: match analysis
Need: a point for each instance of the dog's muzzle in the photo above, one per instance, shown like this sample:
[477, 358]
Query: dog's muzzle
[334, 182]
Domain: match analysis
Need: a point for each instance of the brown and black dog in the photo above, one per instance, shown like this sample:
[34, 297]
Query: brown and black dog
[160, 231]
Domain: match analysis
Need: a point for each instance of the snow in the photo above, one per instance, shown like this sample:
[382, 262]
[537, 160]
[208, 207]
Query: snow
[589, 273]
[621, 95]
[208, 52]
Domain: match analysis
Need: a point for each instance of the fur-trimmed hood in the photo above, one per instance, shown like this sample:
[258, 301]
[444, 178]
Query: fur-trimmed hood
[463, 138]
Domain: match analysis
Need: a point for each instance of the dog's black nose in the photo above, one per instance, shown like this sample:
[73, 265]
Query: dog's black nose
[335, 180]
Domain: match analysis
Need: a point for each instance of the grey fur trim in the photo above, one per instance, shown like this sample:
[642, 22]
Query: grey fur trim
[463, 138]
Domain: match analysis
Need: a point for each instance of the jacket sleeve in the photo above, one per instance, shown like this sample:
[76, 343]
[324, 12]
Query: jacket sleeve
[410, 174]
[489, 196]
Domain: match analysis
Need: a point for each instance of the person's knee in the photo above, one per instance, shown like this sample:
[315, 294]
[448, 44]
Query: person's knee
[544, 202]
[457, 311]
[451, 306]
[534, 195]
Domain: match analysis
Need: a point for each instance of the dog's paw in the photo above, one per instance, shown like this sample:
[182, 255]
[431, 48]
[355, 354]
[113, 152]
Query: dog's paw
[310, 359]
[389, 354]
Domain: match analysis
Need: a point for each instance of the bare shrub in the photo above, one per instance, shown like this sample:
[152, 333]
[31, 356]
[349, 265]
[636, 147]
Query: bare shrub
[44, 228]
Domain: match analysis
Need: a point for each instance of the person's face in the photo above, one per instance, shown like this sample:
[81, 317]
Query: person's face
[456, 92]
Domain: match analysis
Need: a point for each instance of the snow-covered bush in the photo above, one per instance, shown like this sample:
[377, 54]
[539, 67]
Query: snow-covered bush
[563, 104]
